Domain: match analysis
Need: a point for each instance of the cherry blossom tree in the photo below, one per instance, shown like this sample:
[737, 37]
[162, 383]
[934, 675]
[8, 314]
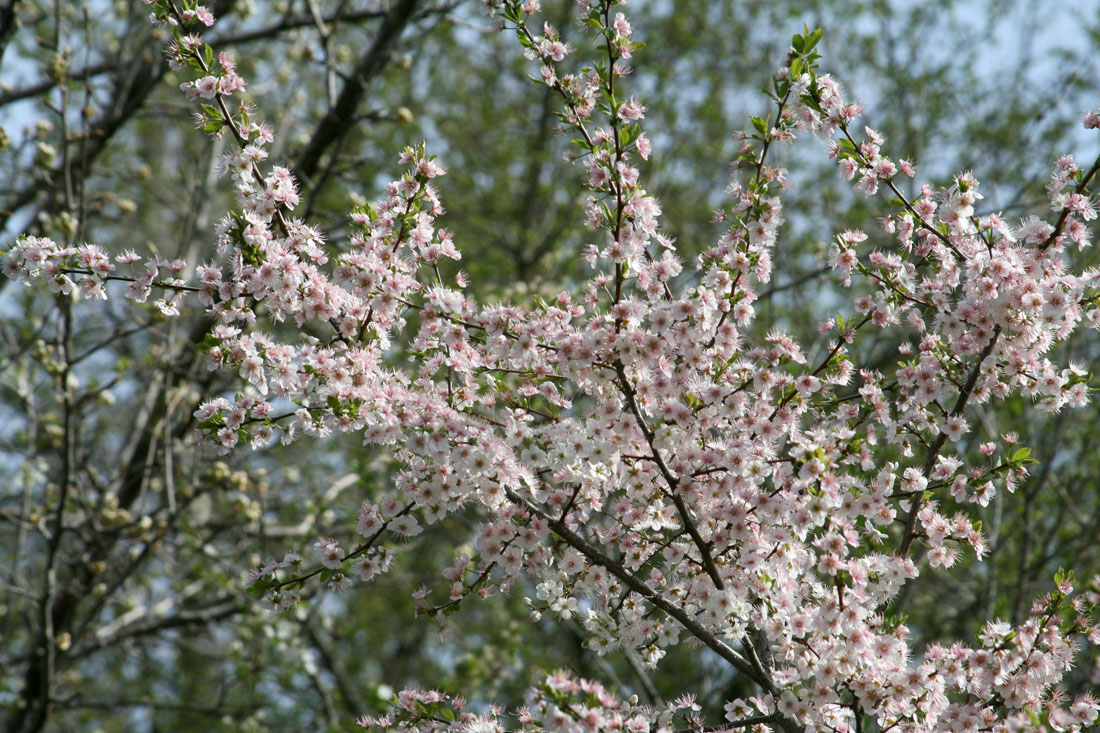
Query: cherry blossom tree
[651, 469]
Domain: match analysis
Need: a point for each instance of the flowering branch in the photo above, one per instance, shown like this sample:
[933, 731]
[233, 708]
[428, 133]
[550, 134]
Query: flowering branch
[633, 450]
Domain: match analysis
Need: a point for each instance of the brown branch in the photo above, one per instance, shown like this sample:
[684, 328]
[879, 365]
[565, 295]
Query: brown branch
[677, 500]
[7, 24]
[336, 122]
[353, 704]
[595, 555]
[745, 666]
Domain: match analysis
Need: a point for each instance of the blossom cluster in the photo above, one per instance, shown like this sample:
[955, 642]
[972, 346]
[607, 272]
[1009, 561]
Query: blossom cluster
[34, 258]
[560, 702]
[639, 456]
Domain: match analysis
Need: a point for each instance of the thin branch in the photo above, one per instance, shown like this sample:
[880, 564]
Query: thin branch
[342, 114]
[934, 451]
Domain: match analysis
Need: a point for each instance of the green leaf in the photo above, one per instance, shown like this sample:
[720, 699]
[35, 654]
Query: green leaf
[796, 66]
[809, 100]
[1021, 454]
[262, 585]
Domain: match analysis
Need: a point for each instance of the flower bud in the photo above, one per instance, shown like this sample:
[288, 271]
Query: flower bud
[57, 68]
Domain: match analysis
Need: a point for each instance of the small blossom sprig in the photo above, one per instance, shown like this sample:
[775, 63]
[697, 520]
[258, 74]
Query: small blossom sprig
[33, 258]
[561, 702]
[620, 206]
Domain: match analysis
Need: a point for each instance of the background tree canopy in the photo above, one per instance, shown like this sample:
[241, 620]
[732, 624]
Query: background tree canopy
[145, 587]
